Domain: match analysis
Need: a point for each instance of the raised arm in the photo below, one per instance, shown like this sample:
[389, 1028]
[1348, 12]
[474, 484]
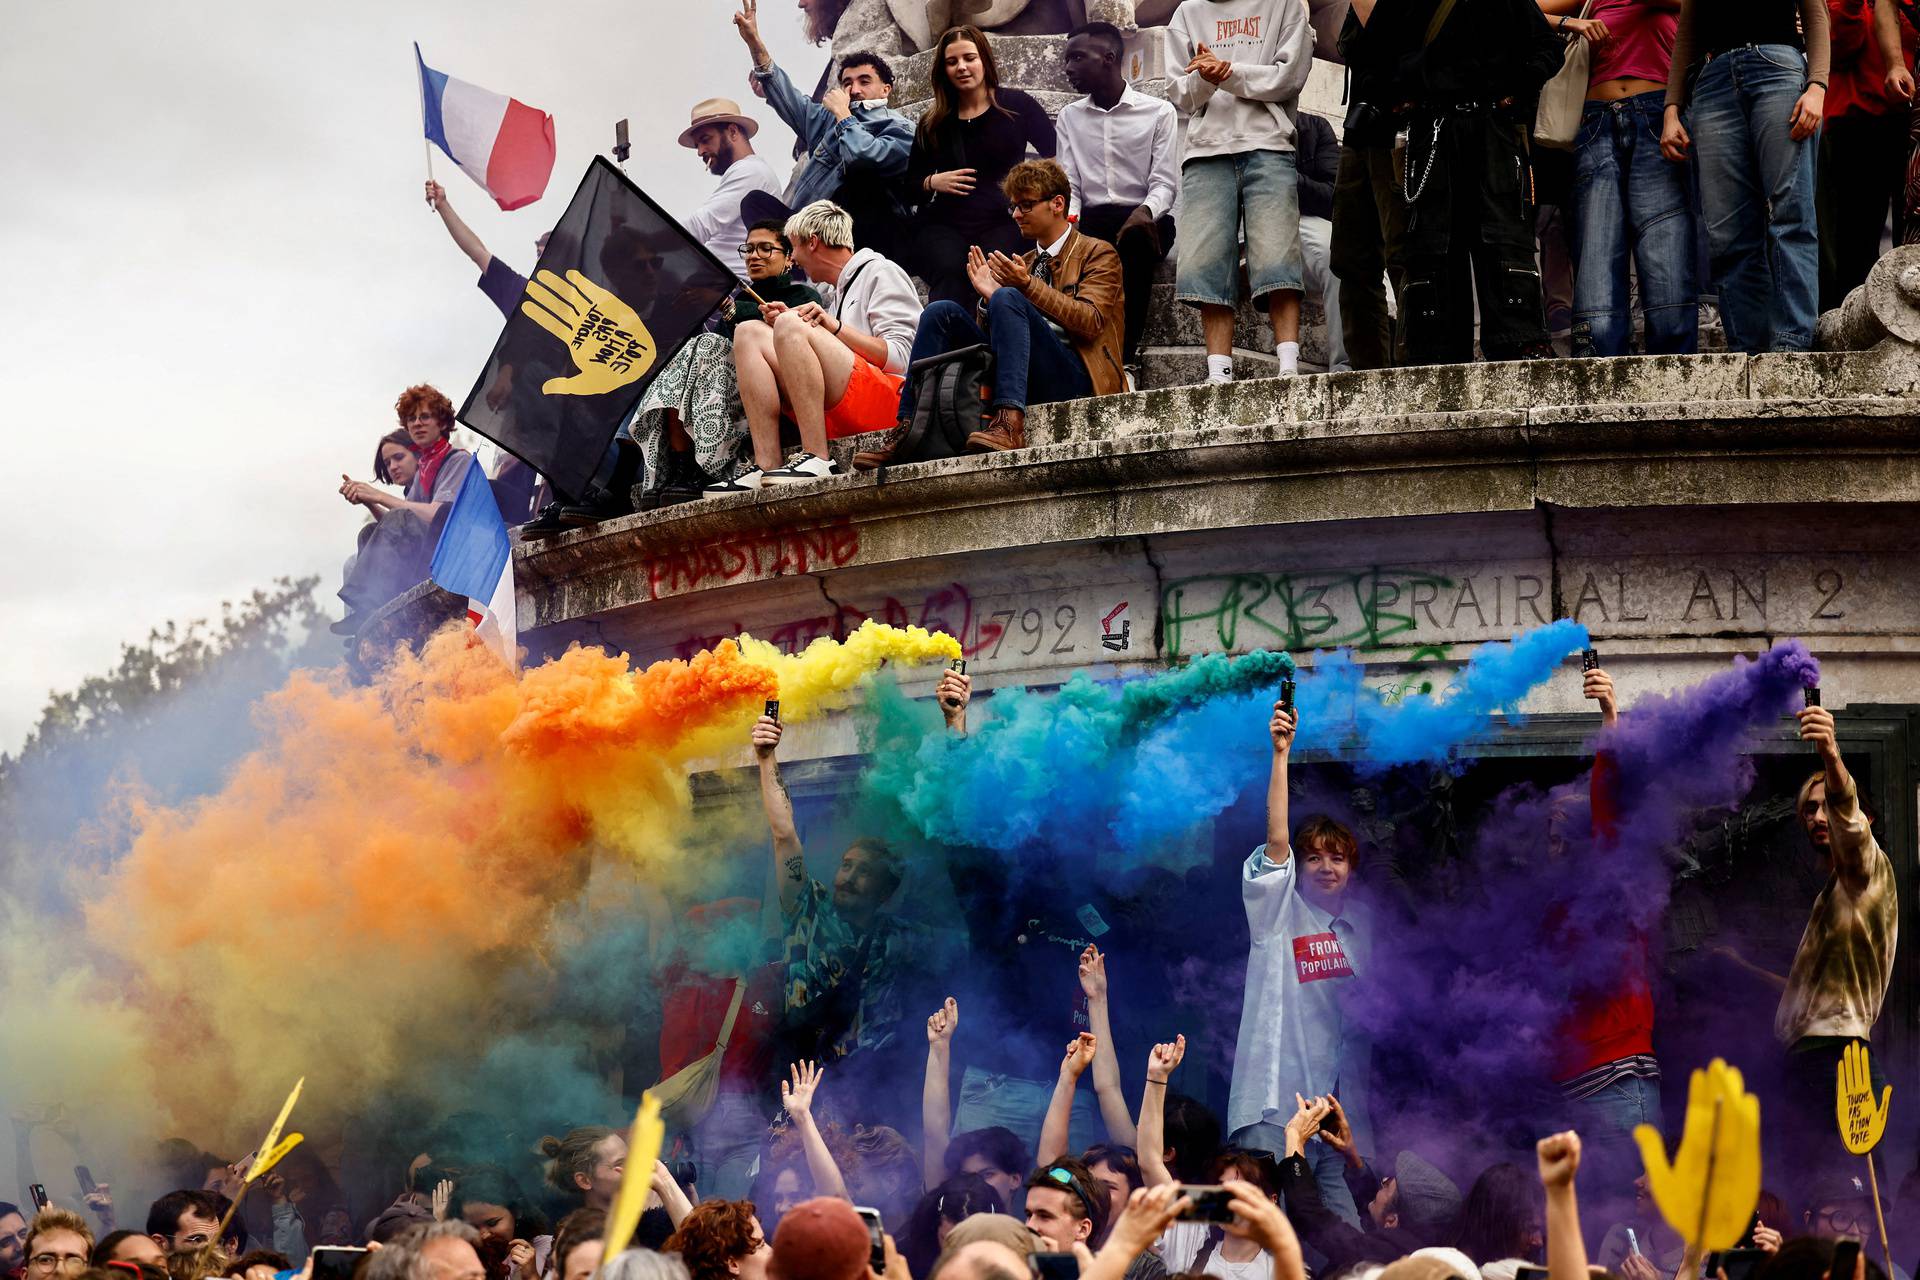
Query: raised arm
[796, 1095]
[953, 693]
[789, 860]
[1280, 729]
[673, 1197]
[1059, 1117]
[1152, 1130]
[1849, 837]
[936, 1111]
[462, 234]
[1559, 1156]
[1106, 1059]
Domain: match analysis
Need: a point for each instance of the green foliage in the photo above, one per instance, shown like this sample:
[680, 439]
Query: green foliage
[268, 623]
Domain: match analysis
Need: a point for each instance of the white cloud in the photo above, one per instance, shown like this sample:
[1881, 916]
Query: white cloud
[222, 272]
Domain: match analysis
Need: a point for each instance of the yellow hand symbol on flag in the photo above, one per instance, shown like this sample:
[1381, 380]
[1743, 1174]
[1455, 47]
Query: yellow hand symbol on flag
[609, 344]
[1708, 1192]
[1861, 1121]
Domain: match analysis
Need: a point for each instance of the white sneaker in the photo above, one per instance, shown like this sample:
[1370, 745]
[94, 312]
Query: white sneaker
[745, 482]
[802, 467]
[1219, 379]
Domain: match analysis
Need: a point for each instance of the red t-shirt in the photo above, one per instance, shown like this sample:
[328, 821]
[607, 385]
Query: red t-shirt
[1615, 1021]
[692, 1014]
[1859, 75]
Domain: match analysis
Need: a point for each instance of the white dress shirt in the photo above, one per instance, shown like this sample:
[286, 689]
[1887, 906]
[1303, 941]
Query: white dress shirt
[718, 224]
[1120, 156]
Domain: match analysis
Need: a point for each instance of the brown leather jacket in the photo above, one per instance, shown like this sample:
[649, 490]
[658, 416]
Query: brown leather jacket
[1086, 299]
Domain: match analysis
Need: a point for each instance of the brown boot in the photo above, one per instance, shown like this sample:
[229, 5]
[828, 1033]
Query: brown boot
[1008, 430]
[874, 459]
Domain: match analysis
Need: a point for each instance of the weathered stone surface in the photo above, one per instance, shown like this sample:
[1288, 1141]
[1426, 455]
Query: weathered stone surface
[1888, 304]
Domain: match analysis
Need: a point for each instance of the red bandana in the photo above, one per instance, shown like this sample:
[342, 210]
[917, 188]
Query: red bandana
[430, 459]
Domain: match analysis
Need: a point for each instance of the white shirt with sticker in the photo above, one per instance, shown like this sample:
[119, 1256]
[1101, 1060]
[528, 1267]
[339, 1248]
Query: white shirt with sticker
[1301, 966]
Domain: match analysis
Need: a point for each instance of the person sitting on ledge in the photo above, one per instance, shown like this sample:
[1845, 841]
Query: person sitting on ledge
[836, 368]
[395, 555]
[1053, 316]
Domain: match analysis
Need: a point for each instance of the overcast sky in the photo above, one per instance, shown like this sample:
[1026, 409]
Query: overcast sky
[221, 272]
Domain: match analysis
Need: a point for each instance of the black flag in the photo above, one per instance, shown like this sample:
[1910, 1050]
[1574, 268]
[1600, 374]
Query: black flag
[620, 289]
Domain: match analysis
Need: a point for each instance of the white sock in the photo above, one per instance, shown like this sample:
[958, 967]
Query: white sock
[1289, 353]
[1219, 368]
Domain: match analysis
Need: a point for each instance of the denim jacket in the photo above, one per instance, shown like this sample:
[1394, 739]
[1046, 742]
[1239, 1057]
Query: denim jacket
[871, 145]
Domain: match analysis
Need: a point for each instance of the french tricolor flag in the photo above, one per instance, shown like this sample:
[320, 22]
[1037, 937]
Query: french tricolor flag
[474, 558]
[501, 143]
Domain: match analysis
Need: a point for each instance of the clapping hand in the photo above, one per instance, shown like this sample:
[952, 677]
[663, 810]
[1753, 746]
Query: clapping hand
[1008, 271]
[1211, 68]
[980, 274]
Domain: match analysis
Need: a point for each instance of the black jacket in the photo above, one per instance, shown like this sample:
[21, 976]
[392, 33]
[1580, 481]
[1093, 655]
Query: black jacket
[1316, 154]
[1323, 1229]
[1485, 51]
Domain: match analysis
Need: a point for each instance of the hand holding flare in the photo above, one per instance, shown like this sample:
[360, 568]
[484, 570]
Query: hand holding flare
[1708, 1192]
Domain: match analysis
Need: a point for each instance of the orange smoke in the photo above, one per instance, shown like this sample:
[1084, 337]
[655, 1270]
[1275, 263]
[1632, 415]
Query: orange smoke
[341, 907]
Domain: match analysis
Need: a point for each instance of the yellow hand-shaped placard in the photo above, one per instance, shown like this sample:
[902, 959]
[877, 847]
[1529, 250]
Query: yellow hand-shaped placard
[1708, 1192]
[1861, 1120]
[272, 1141]
[269, 1158]
[643, 1149]
[608, 341]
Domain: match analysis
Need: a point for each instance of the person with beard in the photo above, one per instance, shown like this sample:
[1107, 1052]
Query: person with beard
[1121, 153]
[723, 139]
[13, 1240]
[1844, 964]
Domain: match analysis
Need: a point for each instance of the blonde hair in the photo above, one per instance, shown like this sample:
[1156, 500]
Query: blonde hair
[198, 1264]
[58, 1220]
[825, 219]
[572, 1154]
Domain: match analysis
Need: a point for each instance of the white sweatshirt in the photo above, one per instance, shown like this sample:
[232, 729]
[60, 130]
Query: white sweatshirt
[1270, 44]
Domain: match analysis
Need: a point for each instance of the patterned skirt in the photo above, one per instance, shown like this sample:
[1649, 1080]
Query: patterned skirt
[699, 385]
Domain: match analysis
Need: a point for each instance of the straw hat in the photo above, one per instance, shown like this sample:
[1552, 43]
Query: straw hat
[717, 111]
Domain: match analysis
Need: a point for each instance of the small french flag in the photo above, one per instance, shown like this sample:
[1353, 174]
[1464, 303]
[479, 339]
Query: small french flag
[501, 143]
[474, 558]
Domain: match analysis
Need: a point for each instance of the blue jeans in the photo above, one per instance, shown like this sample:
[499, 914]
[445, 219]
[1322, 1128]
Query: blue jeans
[1756, 184]
[1605, 1123]
[1327, 1164]
[727, 1144]
[1260, 189]
[988, 1099]
[1031, 365]
[1627, 197]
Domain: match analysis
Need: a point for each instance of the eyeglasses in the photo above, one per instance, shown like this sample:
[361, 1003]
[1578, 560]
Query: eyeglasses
[1842, 1220]
[1018, 207]
[751, 250]
[48, 1263]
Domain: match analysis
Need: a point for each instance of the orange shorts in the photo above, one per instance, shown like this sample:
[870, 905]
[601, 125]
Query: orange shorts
[871, 402]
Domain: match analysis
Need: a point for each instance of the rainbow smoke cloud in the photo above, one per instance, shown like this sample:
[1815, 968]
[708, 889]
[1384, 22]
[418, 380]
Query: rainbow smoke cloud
[1146, 759]
[399, 874]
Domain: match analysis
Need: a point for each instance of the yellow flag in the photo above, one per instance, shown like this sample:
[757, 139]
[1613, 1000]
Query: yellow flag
[649, 1134]
[268, 1159]
[271, 1145]
[1709, 1191]
[1862, 1121]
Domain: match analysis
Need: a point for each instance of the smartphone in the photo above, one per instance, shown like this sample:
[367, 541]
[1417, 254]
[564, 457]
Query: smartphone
[773, 709]
[1589, 661]
[1633, 1241]
[1739, 1263]
[38, 1193]
[1530, 1273]
[877, 1234]
[84, 1176]
[1813, 695]
[1286, 694]
[1846, 1253]
[334, 1263]
[1211, 1204]
[1053, 1266]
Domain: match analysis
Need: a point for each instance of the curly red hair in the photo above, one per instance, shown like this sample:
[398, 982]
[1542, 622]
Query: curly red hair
[715, 1233]
[430, 398]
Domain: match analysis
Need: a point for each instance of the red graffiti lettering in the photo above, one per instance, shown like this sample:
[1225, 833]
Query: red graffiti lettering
[760, 554]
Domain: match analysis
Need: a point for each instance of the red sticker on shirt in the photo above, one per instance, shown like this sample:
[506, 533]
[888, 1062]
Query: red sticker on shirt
[1317, 956]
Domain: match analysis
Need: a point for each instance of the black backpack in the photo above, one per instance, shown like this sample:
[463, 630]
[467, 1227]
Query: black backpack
[951, 392]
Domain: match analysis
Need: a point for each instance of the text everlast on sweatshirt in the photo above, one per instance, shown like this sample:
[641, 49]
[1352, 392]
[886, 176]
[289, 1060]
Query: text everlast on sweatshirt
[1270, 45]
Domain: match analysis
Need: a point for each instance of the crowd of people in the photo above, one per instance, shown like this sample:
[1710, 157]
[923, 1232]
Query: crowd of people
[1747, 156]
[795, 1097]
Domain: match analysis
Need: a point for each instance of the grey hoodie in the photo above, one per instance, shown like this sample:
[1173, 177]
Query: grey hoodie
[1270, 44]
